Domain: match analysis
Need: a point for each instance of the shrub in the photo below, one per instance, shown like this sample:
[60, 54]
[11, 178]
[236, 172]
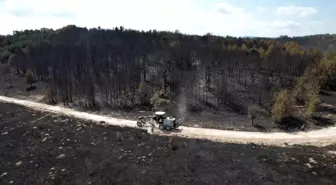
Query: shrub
[311, 103]
[281, 107]
[252, 113]
[161, 99]
[30, 78]
[255, 111]
[51, 94]
[298, 90]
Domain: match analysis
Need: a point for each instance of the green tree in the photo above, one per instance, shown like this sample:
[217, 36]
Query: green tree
[299, 87]
[282, 106]
[311, 103]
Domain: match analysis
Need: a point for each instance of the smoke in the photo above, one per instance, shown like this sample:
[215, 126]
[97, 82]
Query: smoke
[192, 82]
[182, 106]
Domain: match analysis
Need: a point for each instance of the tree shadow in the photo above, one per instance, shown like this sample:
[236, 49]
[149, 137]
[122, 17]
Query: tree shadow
[193, 108]
[324, 93]
[210, 105]
[52, 102]
[127, 108]
[260, 128]
[326, 109]
[19, 75]
[323, 122]
[31, 88]
[291, 124]
[237, 107]
[166, 132]
[9, 87]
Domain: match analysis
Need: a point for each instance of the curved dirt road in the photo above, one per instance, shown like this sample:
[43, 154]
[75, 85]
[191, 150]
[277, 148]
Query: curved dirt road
[318, 138]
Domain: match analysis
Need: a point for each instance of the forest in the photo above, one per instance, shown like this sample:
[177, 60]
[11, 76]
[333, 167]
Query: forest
[129, 68]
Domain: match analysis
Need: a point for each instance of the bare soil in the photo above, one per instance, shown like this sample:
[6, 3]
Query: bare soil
[206, 117]
[41, 148]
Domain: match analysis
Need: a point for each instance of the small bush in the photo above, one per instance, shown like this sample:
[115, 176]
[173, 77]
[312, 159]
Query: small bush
[281, 107]
[161, 100]
[252, 113]
[298, 90]
[125, 101]
[30, 78]
[311, 103]
[51, 94]
[145, 93]
[311, 95]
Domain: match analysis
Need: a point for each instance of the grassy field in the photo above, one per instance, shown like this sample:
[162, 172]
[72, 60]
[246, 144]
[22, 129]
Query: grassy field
[41, 148]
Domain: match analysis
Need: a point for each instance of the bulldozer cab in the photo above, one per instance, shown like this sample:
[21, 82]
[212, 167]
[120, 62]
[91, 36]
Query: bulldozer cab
[160, 116]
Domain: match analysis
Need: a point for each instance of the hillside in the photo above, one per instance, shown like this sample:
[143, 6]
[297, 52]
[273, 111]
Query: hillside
[322, 42]
[41, 148]
[186, 75]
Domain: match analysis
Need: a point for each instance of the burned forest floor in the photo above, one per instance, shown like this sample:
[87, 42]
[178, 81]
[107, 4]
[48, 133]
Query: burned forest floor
[42, 148]
[205, 117]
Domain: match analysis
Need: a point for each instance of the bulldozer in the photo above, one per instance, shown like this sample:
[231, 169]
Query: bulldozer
[159, 119]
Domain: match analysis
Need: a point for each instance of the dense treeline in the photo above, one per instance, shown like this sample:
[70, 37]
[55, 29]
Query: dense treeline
[323, 42]
[128, 67]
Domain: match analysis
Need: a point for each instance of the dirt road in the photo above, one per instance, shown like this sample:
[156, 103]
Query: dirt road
[321, 137]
